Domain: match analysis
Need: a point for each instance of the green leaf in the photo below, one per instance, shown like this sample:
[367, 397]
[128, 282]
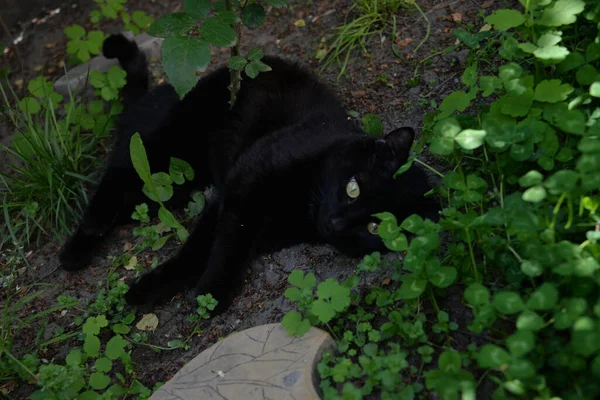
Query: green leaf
[197, 204]
[532, 268]
[160, 188]
[552, 91]
[477, 295]
[294, 324]
[505, 19]
[553, 54]
[116, 76]
[29, 105]
[157, 245]
[412, 287]
[586, 75]
[256, 66]
[489, 85]
[253, 16]
[103, 364]
[74, 31]
[218, 32]
[592, 52]
[534, 194]
[91, 345]
[183, 58]
[470, 139]
[372, 125]
[562, 12]
[115, 347]
[520, 343]
[442, 146]
[562, 181]
[492, 356]
[442, 277]
[298, 279]
[521, 369]
[455, 101]
[510, 71]
[397, 243]
[197, 9]
[450, 361]
[74, 358]
[543, 298]
[172, 25]
[178, 169]
[529, 320]
[469, 77]
[168, 218]
[508, 302]
[140, 159]
[99, 381]
[40, 87]
[531, 178]
[255, 53]
[237, 62]
[595, 89]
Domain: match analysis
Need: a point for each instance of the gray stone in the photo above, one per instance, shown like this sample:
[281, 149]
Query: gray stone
[262, 362]
[75, 80]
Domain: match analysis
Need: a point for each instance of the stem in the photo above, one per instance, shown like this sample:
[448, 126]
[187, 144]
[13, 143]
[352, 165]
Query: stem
[433, 300]
[236, 75]
[428, 26]
[472, 254]
[429, 168]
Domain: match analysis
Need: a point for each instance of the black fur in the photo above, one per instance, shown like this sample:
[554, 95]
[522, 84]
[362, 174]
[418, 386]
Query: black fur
[280, 160]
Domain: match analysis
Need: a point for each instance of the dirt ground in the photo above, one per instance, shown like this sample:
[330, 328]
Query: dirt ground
[375, 84]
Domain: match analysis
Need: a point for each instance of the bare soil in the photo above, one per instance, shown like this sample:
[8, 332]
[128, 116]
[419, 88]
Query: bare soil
[375, 83]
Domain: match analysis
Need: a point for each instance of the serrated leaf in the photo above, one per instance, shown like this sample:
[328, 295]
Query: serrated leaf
[255, 53]
[183, 57]
[505, 19]
[552, 91]
[74, 31]
[172, 25]
[254, 67]
[237, 63]
[197, 9]
[294, 323]
[253, 16]
[218, 32]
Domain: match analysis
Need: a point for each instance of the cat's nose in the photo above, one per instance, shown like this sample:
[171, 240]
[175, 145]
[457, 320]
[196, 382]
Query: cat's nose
[336, 224]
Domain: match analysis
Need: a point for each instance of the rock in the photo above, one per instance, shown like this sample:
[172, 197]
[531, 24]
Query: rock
[262, 362]
[75, 80]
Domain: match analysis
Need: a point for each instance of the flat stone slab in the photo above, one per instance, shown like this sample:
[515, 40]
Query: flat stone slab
[75, 79]
[262, 362]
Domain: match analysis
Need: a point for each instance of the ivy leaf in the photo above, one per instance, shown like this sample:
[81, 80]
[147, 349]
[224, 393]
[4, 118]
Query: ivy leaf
[412, 287]
[508, 302]
[543, 298]
[172, 25]
[179, 168]
[294, 324]
[115, 347]
[253, 16]
[470, 139]
[372, 125]
[552, 91]
[197, 9]
[505, 19]
[218, 32]
[562, 12]
[183, 58]
[492, 356]
[74, 32]
[99, 381]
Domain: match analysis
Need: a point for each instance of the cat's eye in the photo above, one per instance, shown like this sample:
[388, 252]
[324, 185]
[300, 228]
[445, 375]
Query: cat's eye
[352, 189]
[373, 228]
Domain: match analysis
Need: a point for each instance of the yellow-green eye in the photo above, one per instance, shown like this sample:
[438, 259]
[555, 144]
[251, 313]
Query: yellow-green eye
[352, 189]
[373, 228]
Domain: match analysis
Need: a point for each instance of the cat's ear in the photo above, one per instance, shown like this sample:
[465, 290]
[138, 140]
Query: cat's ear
[399, 140]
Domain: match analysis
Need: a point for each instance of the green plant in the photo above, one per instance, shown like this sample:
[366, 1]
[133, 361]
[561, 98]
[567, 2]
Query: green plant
[521, 213]
[50, 160]
[83, 44]
[374, 17]
[186, 48]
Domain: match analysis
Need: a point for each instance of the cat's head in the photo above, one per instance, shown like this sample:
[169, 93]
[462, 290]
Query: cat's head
[357, 182]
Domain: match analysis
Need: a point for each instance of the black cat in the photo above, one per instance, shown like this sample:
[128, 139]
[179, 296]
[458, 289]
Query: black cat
[288, 165]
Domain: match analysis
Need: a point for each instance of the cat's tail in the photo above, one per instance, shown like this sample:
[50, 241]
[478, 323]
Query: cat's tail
[133, 62]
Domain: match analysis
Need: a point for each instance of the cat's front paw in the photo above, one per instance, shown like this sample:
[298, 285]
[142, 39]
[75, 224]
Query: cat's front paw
[162, 283]
[77, 252]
